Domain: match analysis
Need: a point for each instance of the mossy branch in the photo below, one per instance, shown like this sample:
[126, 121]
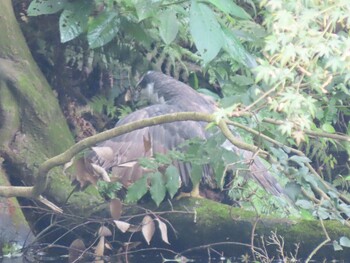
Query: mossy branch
[43, 170]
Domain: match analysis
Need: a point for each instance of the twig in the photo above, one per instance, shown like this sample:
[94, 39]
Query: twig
[321, 244]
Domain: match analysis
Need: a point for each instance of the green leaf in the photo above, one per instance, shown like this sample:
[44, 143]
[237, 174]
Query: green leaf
[344, 241]
[168, 26]
[229, 7]
[102, 29]
[109, 188]
[196, 174]
[328, 128]
[146, 9]
[74, 19]
[157, 189]
[148, 163]
[45, 7]
[205, 30]
[323, 213]
[234, 47]
[172, 180]
[305, 204]
[300, 159]
[137, 32]
[162, 158]
[137, 190]
[219, 169]
[336, 246]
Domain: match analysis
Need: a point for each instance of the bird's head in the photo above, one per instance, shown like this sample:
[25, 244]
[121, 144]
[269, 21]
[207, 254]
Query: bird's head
[147, 90]
[158, 88]
[154, 88]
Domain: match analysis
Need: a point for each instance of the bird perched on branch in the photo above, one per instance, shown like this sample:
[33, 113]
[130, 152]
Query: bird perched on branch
[163, 95]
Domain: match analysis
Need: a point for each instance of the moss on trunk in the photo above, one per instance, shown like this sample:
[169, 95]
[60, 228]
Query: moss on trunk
[32, 126]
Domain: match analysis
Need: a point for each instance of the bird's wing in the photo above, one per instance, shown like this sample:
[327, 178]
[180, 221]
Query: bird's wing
[128, 148]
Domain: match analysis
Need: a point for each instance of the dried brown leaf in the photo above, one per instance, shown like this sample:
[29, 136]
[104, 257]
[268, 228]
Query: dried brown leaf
[163, 230]
[76, 250]
[100, 248]
[148, 228]
[122, 226]
[115, 207]
[104, 232]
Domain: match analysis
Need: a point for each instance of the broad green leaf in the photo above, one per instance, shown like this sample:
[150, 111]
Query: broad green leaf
[234, 47]
[205, 30]
[136, 31]
[74, 19]
[157, 189]
[196, 174]
[172, 180]
[336, 246]
[323, 213]
[219, 169]
[305, 204]
[102, 29]
[229, 7]
[293, 190]
[328, 128]
[137, 190]
[45, 7]
[344, 241]
[300, 159]
[146, 9]
[169, 26]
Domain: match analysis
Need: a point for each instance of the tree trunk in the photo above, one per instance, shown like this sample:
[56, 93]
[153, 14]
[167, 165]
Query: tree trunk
[32, 126]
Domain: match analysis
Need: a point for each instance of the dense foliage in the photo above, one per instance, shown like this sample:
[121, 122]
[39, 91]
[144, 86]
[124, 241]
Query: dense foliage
[281, 66]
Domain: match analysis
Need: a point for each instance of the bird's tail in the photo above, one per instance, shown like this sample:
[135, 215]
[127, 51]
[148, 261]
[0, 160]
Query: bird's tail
[261, 174]
[257, 170]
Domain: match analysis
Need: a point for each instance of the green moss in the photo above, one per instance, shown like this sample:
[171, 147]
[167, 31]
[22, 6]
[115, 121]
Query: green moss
[8, 114]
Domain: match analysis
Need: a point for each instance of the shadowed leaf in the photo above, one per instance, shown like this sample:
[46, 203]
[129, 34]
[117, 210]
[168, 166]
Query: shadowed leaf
[163, 230]
[76, 250]
[148, 228]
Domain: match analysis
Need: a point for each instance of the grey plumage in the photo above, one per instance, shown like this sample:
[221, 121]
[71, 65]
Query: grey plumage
[166, 95]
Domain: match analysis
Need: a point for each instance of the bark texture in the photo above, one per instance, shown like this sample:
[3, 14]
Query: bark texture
[32, 126]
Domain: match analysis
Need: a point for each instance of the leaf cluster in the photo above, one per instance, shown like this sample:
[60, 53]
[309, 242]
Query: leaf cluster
[163, 177]
[209, 22]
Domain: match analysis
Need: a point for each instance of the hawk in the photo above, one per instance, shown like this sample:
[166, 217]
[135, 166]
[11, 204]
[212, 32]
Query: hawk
[164, 95]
